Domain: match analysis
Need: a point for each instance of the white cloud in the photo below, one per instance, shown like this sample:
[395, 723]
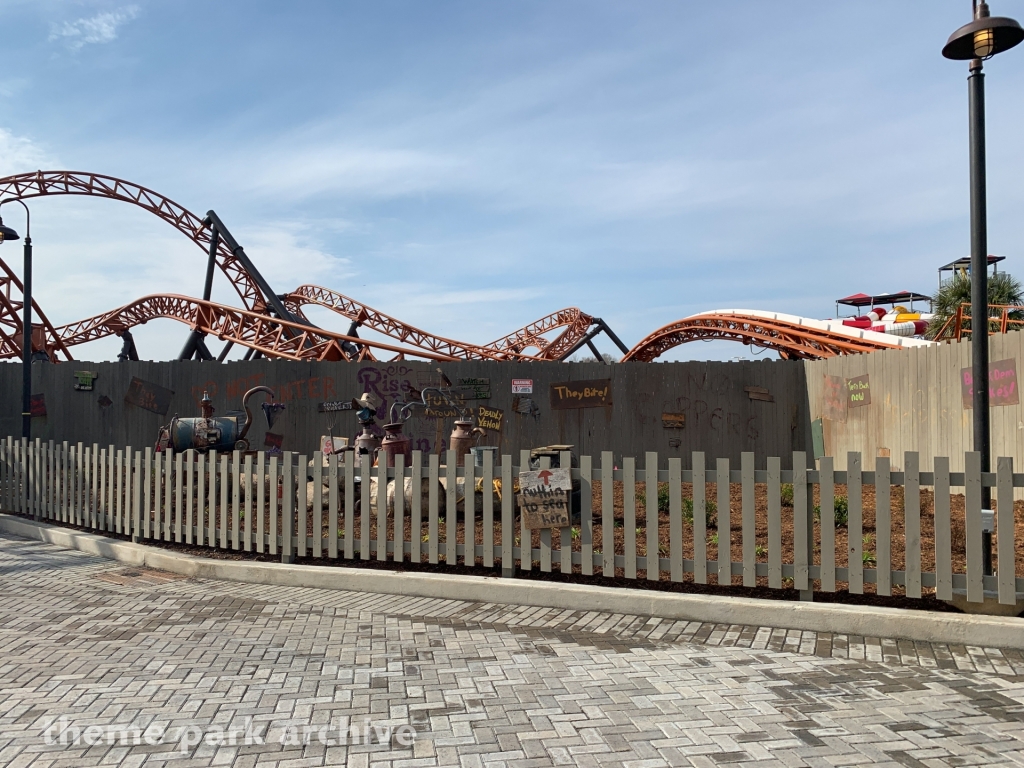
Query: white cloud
[101, 28]
[19, 154]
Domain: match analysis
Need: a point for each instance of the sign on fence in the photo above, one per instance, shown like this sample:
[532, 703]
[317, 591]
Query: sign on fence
[150, 396]
[544, 498]
[474, 388]
[833, 399]
[1002, 384]
[522, 386]
[489, 418]
[858, 390]
[581, 394]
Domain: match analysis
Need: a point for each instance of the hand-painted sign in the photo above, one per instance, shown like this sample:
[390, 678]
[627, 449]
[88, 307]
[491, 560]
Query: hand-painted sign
[150, 396]
[273, 441]
[833, 399]
[581, 394]
[334, 405]
[37, 405]
[437, 408]
[858, 391]
[329, 445]
[1002, 384]
[522, 386]
[673, 420]
[84, 380]
[525, 406]
[489, 418]
[472, 388]
[544, 498]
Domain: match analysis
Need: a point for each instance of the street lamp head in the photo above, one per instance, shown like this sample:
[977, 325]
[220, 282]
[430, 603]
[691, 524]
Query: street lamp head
[984, 37]
[6, 233]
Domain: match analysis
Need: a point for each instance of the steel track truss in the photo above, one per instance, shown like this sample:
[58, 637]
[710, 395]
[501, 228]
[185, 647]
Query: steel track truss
[510, 347]
[791, 340]
[49, 183]
[271, 336]
[12, 301]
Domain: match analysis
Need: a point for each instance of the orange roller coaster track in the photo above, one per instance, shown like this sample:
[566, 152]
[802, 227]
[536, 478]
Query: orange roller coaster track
[792, 337]
[511, 347]
[233, 263]
[254, 330]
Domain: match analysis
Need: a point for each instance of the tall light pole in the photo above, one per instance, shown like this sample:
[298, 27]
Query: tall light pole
[6, 233]
[982, 39]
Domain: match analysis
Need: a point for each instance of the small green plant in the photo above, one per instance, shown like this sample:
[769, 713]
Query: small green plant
[714, 538]
[868, 558]
[710, 511]
[341, 533]
[840, 510]
[760, 551]
[786, 494]
[426, 537]
[663, 549]
[639, 531]
[575, 532]
[663, 497]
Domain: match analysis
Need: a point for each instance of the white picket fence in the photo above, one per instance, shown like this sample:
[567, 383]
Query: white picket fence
[225, 502]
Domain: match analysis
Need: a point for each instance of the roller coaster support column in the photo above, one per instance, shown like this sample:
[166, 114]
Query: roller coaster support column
[217, 227]
[195, 339]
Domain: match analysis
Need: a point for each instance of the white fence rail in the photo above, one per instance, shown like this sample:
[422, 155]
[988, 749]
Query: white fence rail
[652, 522]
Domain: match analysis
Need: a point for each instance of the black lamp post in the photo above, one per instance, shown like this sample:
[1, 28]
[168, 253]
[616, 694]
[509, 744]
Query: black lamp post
[6, 233]
[982, 39]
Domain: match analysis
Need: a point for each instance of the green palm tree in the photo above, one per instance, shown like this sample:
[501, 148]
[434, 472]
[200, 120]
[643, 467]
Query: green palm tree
[1003, 288]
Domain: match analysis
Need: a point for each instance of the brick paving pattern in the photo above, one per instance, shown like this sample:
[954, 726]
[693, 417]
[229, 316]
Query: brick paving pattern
[101, 644]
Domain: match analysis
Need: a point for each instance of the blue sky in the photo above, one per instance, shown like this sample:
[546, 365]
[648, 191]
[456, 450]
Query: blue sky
[469, 167]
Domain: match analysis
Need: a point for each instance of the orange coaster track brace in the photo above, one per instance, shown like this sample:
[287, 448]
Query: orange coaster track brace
[1001, 319]
[791, 340]
[24, 186]
[271, 336]
[12, 300]
[362, 315]
[512, 347]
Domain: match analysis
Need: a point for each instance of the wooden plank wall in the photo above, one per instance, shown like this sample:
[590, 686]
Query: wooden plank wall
[721, 418]
[916, 405]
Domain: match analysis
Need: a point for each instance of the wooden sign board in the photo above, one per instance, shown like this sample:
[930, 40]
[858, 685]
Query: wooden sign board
[1002, 384]
[858, 391]
[151, 397]
[581, 394]
[37, 405]
[85, 379]
[335, 405]
[673, 420]
[489, 418]
[759, 393]
[438, 408]
[544, 498]
[833, 399]
[329, 444]
[472, 388]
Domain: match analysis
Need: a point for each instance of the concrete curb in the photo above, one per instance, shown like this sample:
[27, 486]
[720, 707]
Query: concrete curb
[954, 629]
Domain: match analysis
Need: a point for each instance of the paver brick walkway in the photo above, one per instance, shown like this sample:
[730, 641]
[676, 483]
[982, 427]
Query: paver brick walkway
[125, 649]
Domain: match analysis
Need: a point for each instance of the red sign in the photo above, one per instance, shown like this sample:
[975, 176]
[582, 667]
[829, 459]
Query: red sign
[1002, 384]
[37, 405]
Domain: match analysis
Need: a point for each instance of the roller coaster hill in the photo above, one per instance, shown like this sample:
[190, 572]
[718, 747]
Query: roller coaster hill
[274, 325]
